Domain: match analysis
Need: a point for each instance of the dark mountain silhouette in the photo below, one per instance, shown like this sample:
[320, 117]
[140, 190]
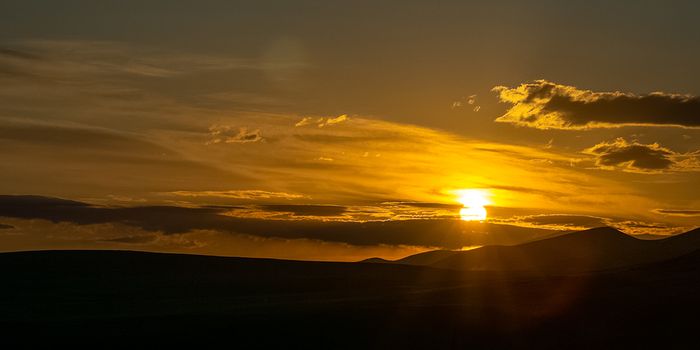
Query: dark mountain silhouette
[427, 258]
[376, 261]
[588, 250]
[112, 297]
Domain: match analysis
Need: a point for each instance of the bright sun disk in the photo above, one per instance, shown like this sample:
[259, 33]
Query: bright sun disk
[473, 202]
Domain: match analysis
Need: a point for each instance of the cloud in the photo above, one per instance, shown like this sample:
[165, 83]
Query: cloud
[17, 54]
[40, 234]
[570, 222]
[118, 165]
[322, 122]
[6, 226]
[333, 121]
[678, 212]
[304, 121]
[230, 134]
[467, 101]
[546, 105]
[140, 239]
[110, 57]
[170, 220]
[648, 229]
[566, 220]
[637, 157]
[551, 221]
[239, 194]
[426, 205]
[306, 209]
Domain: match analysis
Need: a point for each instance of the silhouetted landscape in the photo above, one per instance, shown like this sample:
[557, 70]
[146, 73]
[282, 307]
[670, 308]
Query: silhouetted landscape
[638, 293]
[395, 174]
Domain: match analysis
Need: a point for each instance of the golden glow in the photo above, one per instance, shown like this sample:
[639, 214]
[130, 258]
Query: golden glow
[473, 202]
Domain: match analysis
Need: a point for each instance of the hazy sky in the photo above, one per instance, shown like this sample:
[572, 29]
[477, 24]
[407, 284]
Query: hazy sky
[268, 123]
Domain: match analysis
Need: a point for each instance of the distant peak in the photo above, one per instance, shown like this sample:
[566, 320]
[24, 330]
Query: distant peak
[596, 235]
[375, 260]
[602, 232]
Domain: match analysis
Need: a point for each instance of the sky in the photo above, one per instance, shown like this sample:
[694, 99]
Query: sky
[330, 130]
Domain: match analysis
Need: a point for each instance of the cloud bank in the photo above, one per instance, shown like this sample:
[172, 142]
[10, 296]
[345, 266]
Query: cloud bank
[171, 220]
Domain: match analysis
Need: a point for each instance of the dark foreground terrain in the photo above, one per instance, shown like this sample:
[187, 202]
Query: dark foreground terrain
[111, 297]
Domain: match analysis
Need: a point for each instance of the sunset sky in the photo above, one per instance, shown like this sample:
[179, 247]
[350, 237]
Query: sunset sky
[323, 131]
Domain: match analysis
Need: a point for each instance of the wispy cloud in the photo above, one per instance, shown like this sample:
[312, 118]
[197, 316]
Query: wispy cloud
[332, 121]
[469, 101]
[231, 134]
[304, 121]
[239, 194]
[68, 57]
[678, 212]
[322, 121]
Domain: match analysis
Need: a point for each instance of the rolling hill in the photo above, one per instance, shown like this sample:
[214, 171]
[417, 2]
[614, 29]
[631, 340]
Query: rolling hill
[115, 297]
[589, 250]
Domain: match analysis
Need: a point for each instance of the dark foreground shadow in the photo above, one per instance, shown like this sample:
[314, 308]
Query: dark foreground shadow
[109, 297]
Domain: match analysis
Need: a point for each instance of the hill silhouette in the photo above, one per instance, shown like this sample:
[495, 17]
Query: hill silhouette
[588, 250]
[133, 297]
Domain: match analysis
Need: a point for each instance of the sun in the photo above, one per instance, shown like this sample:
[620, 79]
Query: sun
[473, 202]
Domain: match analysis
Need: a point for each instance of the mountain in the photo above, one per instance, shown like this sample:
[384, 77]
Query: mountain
[376, 261]
[427, 258]
[115, 297]
[589, 250]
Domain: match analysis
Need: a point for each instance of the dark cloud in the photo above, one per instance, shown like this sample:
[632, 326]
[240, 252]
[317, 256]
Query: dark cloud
[6, 227]
[547, 105]
[577, 222]
[133, 239]
[305, 209]
[426, 205]
[637, 157]
[444, 233]
[566, 220]
[156, 218]
[634, 155]
[8, 203]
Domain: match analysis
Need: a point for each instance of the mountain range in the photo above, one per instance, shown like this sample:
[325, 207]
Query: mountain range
[589, 250]
[590, 289]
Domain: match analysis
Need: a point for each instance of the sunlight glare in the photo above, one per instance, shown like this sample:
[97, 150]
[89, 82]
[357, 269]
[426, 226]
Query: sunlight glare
[473, 202]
